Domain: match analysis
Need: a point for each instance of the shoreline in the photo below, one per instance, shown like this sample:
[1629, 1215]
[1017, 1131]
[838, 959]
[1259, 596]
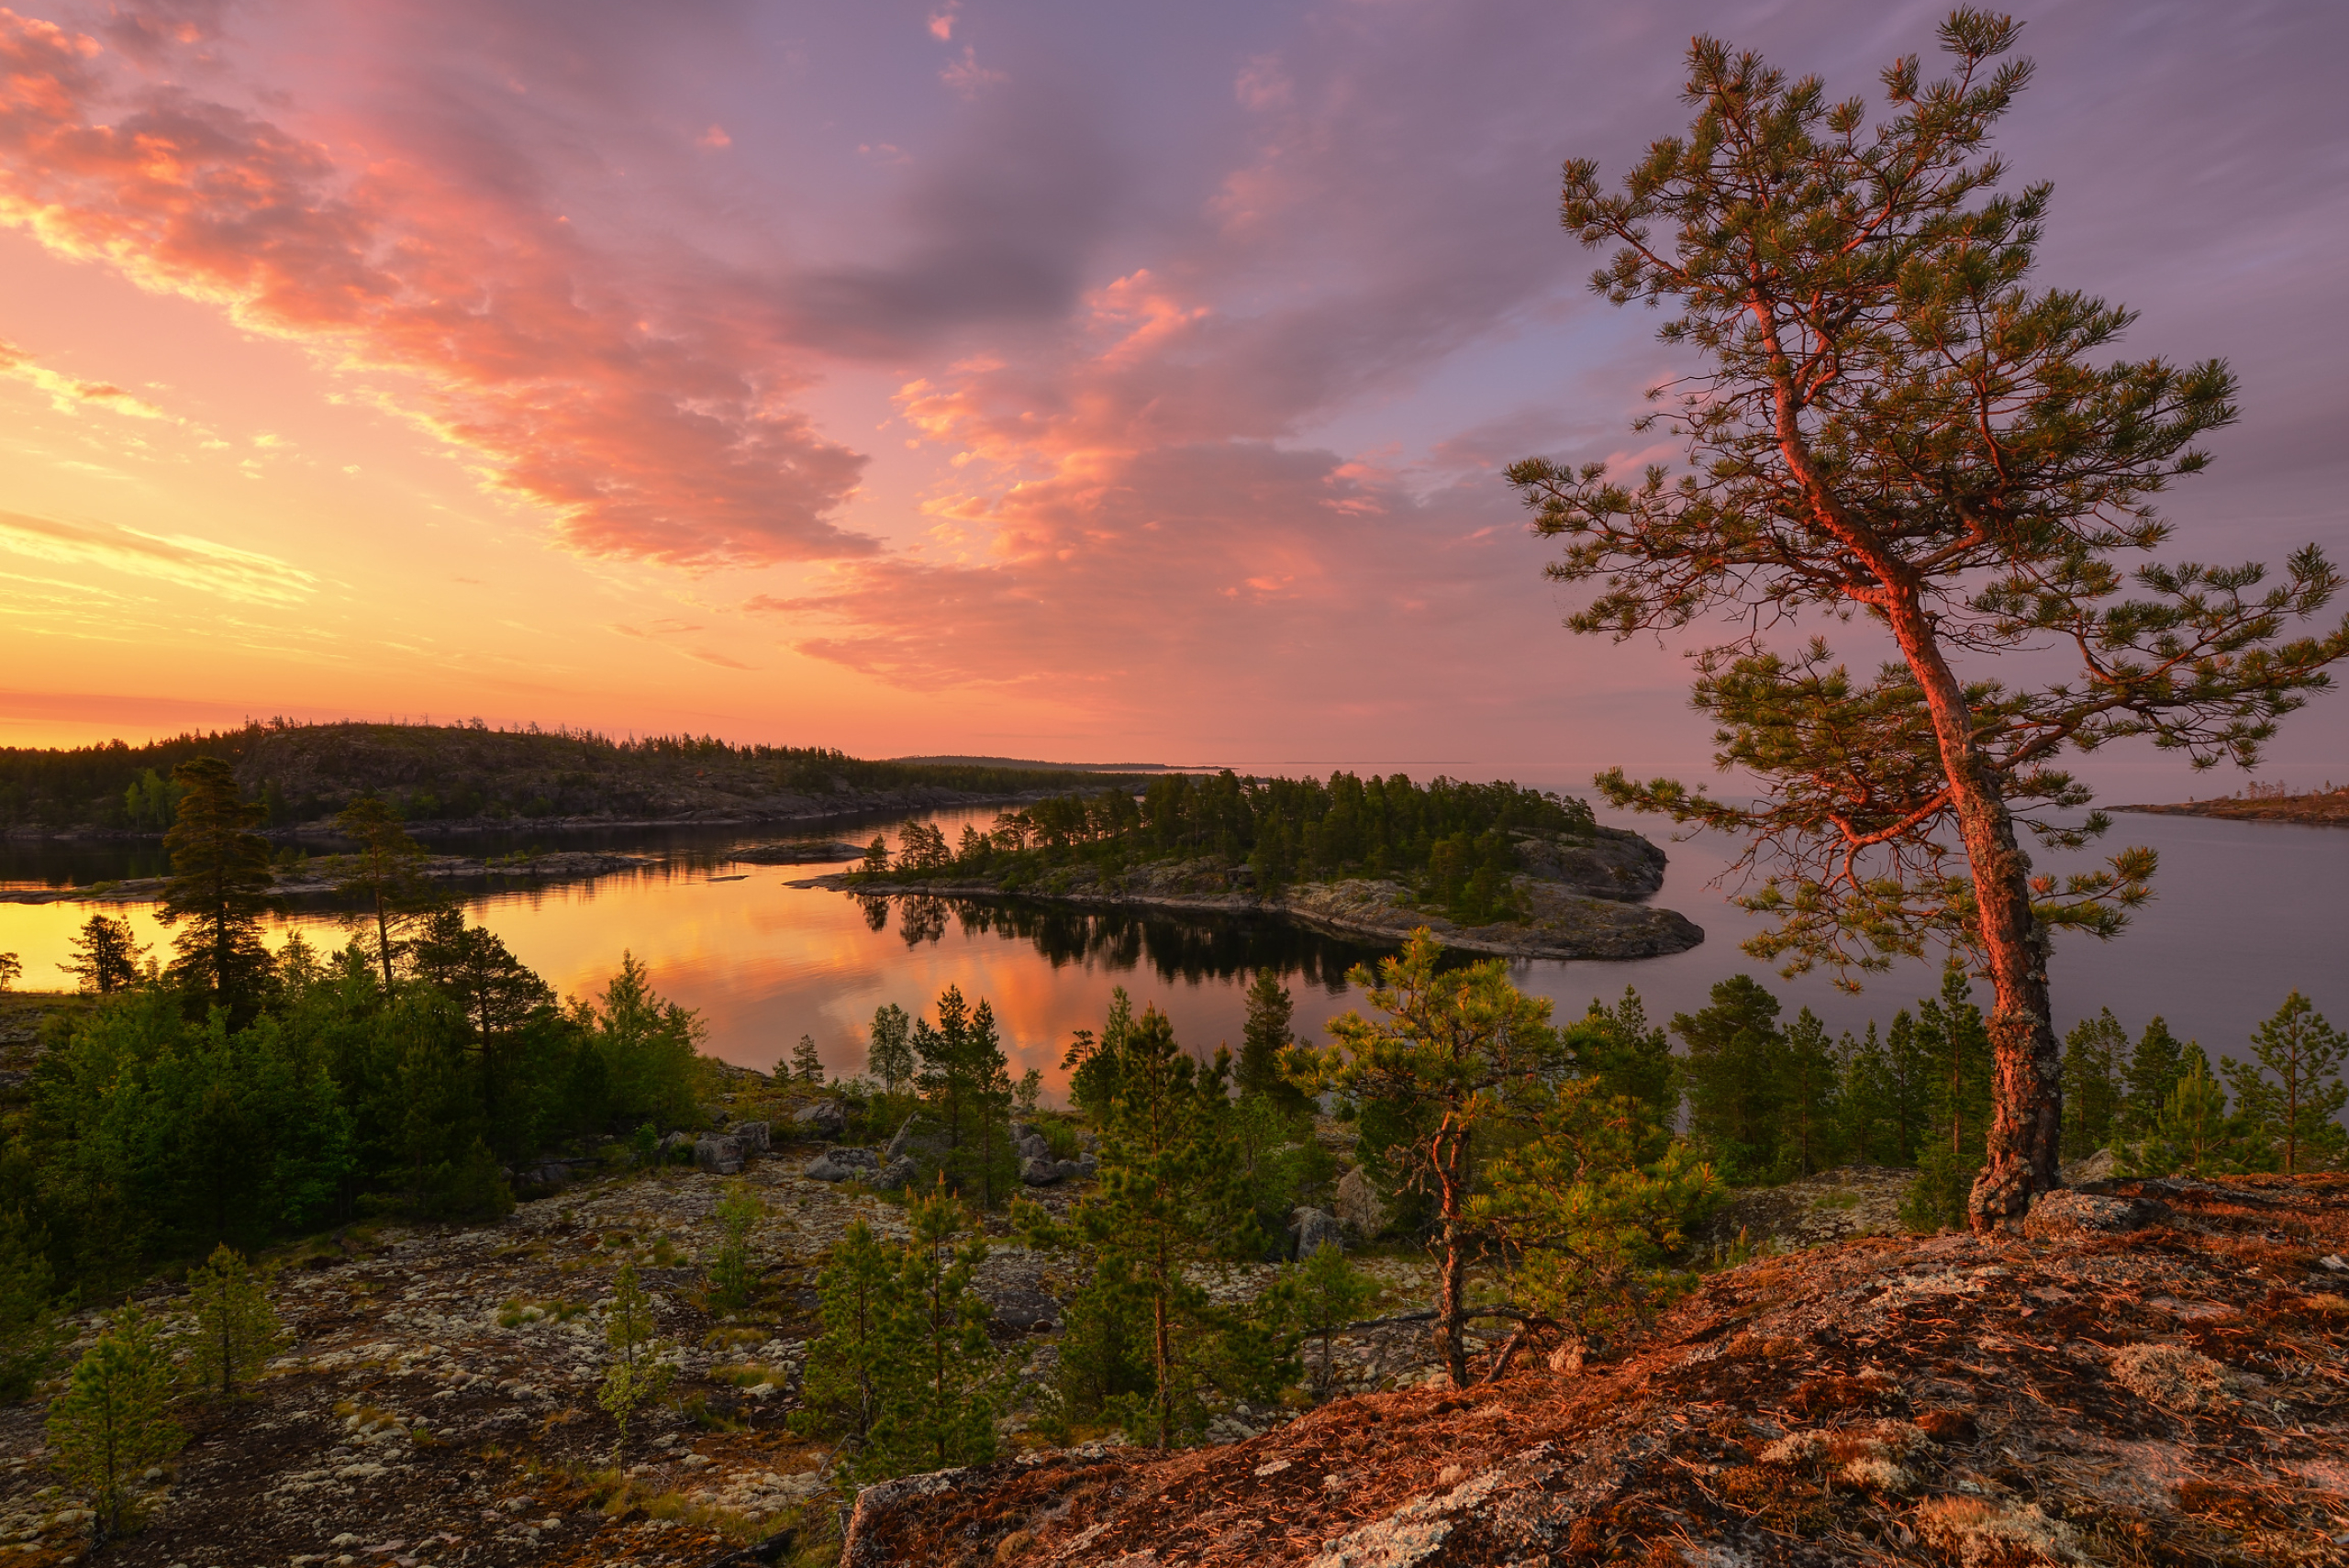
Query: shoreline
[1571, 926]
[2326, 809]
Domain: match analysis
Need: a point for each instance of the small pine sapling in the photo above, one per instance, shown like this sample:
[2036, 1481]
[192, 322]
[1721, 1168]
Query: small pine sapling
[1318, 1297]
[849, 1364]
[236, 1330]
[733, 1276]
[112, 1422]
[638, 1372]
[939, 1404]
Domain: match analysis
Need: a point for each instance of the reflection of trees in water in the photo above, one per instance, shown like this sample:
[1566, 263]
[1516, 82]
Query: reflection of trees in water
[1187, 947]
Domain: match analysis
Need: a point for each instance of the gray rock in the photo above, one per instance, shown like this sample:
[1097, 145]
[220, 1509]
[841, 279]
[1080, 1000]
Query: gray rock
[1087, 1163]
[2068, 1217]
[676, 1146]
[897, 1174]
[2101, 1166]
[1035, 1146]
[840, 1164]
[1359, 1207]
[755, 1137]
[1031, 1311]
[719, 1156]
[824, 1119]
[1047, 1171]
[1314, 1226]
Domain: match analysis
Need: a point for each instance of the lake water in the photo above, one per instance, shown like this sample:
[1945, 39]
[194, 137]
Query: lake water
[2244, 913]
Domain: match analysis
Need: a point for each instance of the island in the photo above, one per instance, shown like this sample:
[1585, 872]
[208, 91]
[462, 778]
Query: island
[1492, 869]
[2327, 807]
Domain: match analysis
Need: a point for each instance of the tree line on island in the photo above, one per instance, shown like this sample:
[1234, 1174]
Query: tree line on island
[1454, 842]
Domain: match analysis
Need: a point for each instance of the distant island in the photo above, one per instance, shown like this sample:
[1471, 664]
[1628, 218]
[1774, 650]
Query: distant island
[2326, 808]
[468, 777]
[1491, 868]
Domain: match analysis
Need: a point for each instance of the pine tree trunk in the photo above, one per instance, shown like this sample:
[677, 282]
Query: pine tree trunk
[2026, 1124]
[1450, 1288]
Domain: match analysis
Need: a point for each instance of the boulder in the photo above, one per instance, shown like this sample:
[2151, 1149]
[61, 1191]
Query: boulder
[840, 1164]
[755, 1137]
[2069, 1217]
[1046, 1171]
[1312, 1227]
[1030, 1311]
[1034, 1146]
[897, 1174]
[2101, 1166]
[823, 1119]
[675, 1147]
[719, 1156]
[1359, 1207]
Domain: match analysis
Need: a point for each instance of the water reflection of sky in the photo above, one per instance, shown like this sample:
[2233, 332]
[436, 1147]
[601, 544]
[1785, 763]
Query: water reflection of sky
[2247, 912]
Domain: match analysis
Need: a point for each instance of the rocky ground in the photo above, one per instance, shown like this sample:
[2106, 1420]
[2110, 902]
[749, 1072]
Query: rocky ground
[2151, 1376]
[1578, 894]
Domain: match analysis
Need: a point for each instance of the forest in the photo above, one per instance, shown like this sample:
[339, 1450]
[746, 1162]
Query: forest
[1457, 842]
[462, 772]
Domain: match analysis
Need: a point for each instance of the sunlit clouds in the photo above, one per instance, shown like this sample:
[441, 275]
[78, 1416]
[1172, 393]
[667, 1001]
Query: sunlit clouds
[961, 376]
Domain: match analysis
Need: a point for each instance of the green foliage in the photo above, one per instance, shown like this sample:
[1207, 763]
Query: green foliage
[2291, 1093]
[2092, 1087]
[1629, 1059]
[1095, 1063]
[852, 1362]
[965, 1083]
[30, 1331]
[1594, 1223]
[1170, 1196]
[733, 1278]
[2193, 1134]
[1028, 1092]
[889, 1053]
[1735, 1092]
[1457, 839]
[105, 956]
[112, 1423]
[1459, 1052]
[2156, 1065]
[1265, 1044]
[648, 1048]
[387, 872]
[12, 969]
[1277, 1161]
[1106, 1349]
[637, 1371]
[1315, 1298]
[237, 1330]
[807, 1061]
[219, 886]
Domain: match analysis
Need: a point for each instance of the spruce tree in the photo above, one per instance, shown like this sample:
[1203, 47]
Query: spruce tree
[1095, 1062]
[2193, 1135]
[237, 1330]
[105, 955]
[1316, 1297]
[1461, 1053]
[1617, 1046]
[1732, 1071]
[1867, 1102]
[733, 1272]
[2156, 1065]
[1887, 418]
[219, 887]
[1265, 1042]
[945, 1382]
[387, 871]
[2299, 1110]
[807, 1061]
[852, 1361]
[113, 1422]
[2092, 1086]
[888, 1053]
[1808, 1081]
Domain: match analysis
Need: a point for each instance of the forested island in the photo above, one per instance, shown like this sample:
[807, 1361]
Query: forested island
[471, 776]
[1491, 868]
[2327, 807]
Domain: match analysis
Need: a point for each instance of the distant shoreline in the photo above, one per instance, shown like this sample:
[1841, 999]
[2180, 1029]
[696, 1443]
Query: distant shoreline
[2325, 808]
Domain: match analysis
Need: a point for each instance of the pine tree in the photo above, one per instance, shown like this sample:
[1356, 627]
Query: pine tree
[1457, 1051]
[1169, 1196]
[638, 1371]
[1316, 1296]
[387, 872]
[1095, 1062]
[851, 1361]
[2092, 1086]
[945, 1380]
[112, 1423]
[1617, 1046]
[733, 1274]
[2193, 1134]
[2299, 1110]
[2154, 1068]
[237, 1330]
[1735, 1086]
[105, 956]
[888, 1051]
[1265, 1042]
[1867, 1102]
[1886, 419]
[807, 1061]
[219, 886]
[1808, 1082]
[12, 969]
[30, 1331]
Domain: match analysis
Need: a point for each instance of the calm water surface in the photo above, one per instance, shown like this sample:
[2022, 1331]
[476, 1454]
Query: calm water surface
[2244, 913]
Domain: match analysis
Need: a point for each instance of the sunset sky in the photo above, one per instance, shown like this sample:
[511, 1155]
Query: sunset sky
[1066, 380]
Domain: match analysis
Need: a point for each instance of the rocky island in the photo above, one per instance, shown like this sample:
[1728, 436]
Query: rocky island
[2323, 808]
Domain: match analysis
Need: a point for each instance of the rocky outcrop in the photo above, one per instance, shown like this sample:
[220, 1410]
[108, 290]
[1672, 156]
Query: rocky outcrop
[1574, 893]
[1361, 1206]
[2170, 1389]
[1842, 1205]
[1310, 1230]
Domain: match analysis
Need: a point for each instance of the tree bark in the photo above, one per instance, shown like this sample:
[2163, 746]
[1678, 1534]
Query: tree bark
[2026, 1124]
[1450, 1176]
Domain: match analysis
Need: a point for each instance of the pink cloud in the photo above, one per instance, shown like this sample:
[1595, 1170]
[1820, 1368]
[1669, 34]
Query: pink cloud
[648, 430]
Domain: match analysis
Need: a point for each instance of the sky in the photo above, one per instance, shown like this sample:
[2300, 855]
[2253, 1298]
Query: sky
[1080, 381]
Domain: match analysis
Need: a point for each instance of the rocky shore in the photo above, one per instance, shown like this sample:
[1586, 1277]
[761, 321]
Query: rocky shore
[1577, 895]
[2323, 808]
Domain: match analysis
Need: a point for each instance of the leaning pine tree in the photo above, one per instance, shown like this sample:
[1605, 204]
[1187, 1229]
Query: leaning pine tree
[1886, 419]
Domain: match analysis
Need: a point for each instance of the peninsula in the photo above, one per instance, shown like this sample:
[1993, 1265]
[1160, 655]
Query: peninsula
[2321, 808]
[1491, 868]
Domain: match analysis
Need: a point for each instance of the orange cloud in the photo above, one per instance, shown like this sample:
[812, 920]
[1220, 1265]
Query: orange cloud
[67, 394]
[657, 434]
[189, 562]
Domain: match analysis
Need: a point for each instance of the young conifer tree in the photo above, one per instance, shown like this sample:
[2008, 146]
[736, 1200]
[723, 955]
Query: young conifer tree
[1317, 1298]
[733, 1272]
[2299, 1110]
[638, 1371]
[1888, 421]
[852, 1362]
[237, 1330]
[1463, 1049]
[944, 1380]
[888, 1051]
[807, 1061]
[387, 871]
[2092, 1088]
[113, 1422]
[1265, 1042]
